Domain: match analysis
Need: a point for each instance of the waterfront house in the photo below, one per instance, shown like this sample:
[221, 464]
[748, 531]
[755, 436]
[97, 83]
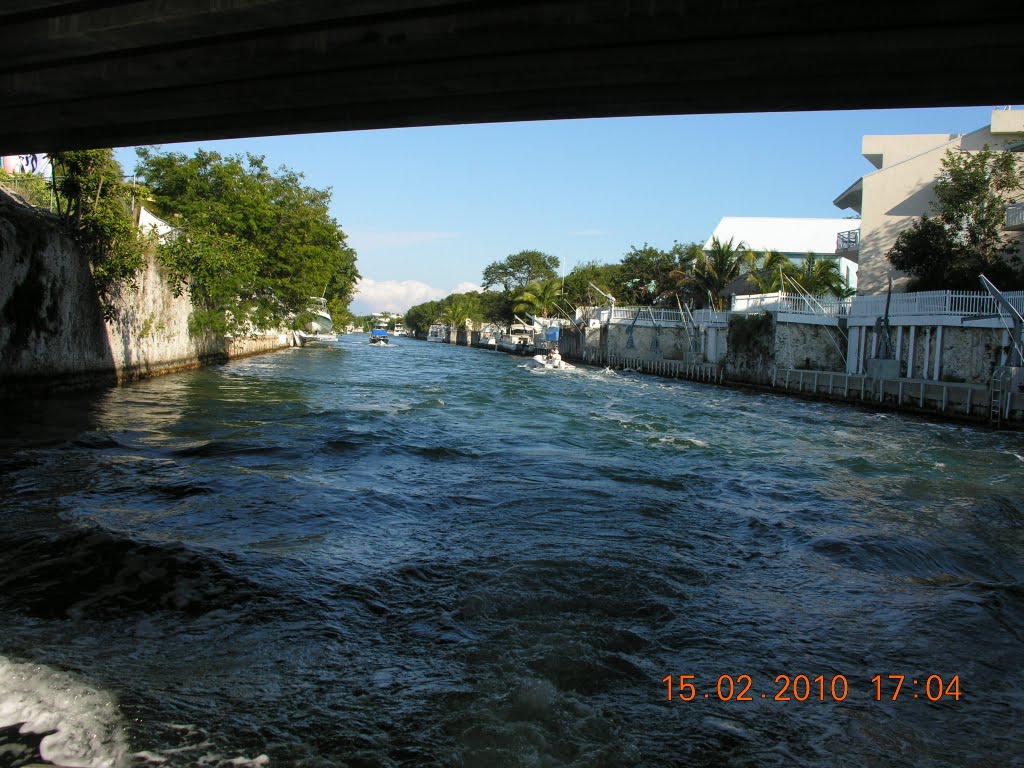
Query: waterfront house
[901, 189]
[795, 238]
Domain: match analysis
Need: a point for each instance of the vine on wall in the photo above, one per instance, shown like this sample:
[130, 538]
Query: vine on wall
[750, 341]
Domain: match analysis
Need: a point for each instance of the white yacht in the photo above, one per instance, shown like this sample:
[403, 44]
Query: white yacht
[437, 332]
[320, 327]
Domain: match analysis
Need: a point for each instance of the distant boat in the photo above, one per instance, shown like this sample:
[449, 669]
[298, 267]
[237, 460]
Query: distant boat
[437, 333]
[379, 334]
[489, 337]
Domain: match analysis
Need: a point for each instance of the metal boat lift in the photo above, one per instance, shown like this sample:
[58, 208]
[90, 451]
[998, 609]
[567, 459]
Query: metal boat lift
[1005, 378]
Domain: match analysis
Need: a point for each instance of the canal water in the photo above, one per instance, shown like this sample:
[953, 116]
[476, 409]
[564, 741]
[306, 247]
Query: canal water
[429, 555]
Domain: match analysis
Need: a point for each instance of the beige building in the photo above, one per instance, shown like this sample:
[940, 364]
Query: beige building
[902, 189]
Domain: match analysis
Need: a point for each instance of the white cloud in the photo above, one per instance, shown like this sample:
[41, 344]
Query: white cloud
[371, 239]
[398, 295]
[392, 295]
[589, 232]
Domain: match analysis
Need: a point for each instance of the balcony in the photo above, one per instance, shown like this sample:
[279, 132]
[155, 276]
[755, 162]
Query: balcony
[848, 241]
[1014, 216]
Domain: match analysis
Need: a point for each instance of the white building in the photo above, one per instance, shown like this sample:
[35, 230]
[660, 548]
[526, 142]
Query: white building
[795, 238]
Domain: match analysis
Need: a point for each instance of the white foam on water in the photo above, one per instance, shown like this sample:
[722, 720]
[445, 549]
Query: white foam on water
[88, 730]
[683, 441]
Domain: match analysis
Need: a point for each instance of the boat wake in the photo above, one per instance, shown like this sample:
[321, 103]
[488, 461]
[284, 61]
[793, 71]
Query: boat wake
[50, 715]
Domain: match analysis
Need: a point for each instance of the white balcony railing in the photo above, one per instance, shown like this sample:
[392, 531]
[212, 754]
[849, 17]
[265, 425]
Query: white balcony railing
[1015, 216]
[962, 303]
[848, 241]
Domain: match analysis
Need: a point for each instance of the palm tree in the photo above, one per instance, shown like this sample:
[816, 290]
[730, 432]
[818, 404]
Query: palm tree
[687, 259]
[767, 270]
[458, 310]
[821, 276]
[539, 299]
[719, 266]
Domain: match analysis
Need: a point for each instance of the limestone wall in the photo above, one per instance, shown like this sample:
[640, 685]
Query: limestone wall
[967, 354]
[638, 342]
[648, 342]
[52, 332]
[809, 347]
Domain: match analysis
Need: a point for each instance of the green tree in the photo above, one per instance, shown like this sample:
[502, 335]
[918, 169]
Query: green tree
[496, 307]
[519, 270]
[96, 206]
[540, 298]
[767, 270]
[459, 309]
[643, 275]
[682, 283]
[577, 290]
[33, 188]
[716, 268]
[253, 246]
[421, 316]
[965, 235]
[820, 277]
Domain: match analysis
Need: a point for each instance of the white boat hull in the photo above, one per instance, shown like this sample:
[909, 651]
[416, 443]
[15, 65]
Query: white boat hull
[302, 338]
[542, 361]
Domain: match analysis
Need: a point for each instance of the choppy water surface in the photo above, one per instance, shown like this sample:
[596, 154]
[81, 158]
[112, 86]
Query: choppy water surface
[427, 555]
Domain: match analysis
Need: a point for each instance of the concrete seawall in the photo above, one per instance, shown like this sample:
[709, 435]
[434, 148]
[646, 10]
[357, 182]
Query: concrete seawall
[799, 359]
[53, 336]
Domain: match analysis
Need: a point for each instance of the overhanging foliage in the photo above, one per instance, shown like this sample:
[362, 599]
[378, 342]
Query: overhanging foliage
[252, 246]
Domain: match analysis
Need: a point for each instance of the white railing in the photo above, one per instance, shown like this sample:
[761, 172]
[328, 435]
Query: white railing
[1015, 216]
[848, 241]
[647, 313]
[960, 303]
[792, 303]
[644, 315]
[705, 317]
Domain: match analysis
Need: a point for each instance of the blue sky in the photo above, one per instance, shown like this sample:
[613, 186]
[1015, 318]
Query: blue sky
[428, 208]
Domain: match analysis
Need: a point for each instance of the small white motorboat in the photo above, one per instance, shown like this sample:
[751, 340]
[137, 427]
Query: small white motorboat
[552, 360]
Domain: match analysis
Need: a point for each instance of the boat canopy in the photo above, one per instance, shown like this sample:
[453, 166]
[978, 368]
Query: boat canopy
[378, 333]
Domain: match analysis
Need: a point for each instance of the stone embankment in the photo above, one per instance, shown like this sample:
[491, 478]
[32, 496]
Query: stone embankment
[53, 335]
[800, 359]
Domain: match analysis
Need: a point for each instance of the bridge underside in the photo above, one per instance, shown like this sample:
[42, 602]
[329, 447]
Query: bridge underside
[76, 74]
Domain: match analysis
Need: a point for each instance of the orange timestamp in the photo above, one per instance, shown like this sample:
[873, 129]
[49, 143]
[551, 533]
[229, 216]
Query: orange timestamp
[807, 688]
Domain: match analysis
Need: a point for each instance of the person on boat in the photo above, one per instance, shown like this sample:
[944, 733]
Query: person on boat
[553, 357]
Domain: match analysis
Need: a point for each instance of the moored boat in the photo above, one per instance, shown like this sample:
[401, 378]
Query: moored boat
[518, 339]
[320, 327]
